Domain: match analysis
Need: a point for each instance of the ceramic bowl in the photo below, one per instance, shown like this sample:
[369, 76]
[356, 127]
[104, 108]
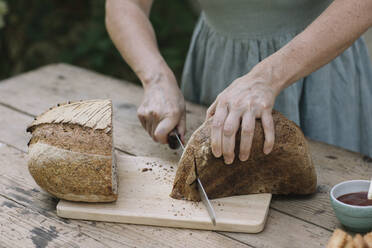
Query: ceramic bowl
[354, 218]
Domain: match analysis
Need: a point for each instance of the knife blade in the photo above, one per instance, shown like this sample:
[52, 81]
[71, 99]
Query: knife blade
[206, 202]
[174, 138]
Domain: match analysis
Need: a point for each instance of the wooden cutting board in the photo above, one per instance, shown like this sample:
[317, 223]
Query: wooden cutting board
[144, 187]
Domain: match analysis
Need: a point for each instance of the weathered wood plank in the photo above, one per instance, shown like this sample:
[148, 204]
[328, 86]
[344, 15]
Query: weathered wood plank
[12, 128]
[36, 91]
[23, 227]
[18, 186]
[284, 231]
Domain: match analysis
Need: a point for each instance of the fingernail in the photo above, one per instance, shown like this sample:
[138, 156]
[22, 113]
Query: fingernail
[228, 161]
[267, 150]
[243, 158]
[216, 154]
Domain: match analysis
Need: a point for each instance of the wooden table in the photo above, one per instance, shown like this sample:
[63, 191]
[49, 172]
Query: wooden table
[28, 215]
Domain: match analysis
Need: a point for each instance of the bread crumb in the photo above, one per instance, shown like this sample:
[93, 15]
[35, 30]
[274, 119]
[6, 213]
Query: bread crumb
[145, 169]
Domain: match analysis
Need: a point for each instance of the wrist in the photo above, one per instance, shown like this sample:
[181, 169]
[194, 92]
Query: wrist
[157, 74]
[276, 70]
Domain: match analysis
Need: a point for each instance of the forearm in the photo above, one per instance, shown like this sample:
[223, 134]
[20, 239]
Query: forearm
[327, 37]
[129, 27]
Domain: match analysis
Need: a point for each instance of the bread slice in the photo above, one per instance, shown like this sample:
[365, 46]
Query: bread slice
[71, 151]
[288, 169]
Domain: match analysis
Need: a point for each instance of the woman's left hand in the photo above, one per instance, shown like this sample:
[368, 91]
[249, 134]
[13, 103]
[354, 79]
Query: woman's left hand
[246, 99]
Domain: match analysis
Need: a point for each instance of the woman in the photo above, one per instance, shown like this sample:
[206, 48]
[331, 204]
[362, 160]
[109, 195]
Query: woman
[302, 57]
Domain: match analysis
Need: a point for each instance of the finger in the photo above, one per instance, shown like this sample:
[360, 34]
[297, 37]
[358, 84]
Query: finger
[164, 128]
[152, 120]
[268, 126]
[143, 121]
[141, 118]
[181, 128]
[154, 124]
[216, 132]
[149, 125]
[247, 132]
[211, 110]
[230, 128]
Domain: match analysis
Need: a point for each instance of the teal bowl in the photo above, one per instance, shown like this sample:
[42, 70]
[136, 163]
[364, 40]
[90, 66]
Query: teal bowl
[354, 218]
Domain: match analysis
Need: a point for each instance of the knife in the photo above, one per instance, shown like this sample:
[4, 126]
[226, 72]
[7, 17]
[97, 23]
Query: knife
[175, 142]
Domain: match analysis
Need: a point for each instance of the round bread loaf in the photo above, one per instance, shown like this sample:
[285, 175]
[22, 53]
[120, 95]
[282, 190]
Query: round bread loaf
[71, 151]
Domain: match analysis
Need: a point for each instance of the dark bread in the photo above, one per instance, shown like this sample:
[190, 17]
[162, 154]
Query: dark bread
[288, 169]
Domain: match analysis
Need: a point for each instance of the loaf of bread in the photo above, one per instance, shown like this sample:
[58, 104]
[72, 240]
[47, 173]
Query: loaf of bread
[71, 151]
[288, 169]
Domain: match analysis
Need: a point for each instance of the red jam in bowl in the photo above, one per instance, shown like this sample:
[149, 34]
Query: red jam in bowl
[356, 199]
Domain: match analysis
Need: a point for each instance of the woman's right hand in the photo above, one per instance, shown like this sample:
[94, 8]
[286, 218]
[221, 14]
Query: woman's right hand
[163, 108]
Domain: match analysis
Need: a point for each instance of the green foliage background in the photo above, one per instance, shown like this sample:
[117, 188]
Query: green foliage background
[38, 32]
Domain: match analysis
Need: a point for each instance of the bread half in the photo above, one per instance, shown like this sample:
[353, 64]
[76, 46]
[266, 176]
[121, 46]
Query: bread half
[288, 169]
[71, 151]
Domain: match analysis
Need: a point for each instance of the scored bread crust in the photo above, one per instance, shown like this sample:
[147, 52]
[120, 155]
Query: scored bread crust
[96, 114]
[71, 151]
[288, 169]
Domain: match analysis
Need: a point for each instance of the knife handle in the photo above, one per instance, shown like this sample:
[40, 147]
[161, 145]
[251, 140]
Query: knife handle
[172, 140]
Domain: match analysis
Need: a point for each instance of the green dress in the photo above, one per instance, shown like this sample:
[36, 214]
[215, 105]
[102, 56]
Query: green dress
[333, 104]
